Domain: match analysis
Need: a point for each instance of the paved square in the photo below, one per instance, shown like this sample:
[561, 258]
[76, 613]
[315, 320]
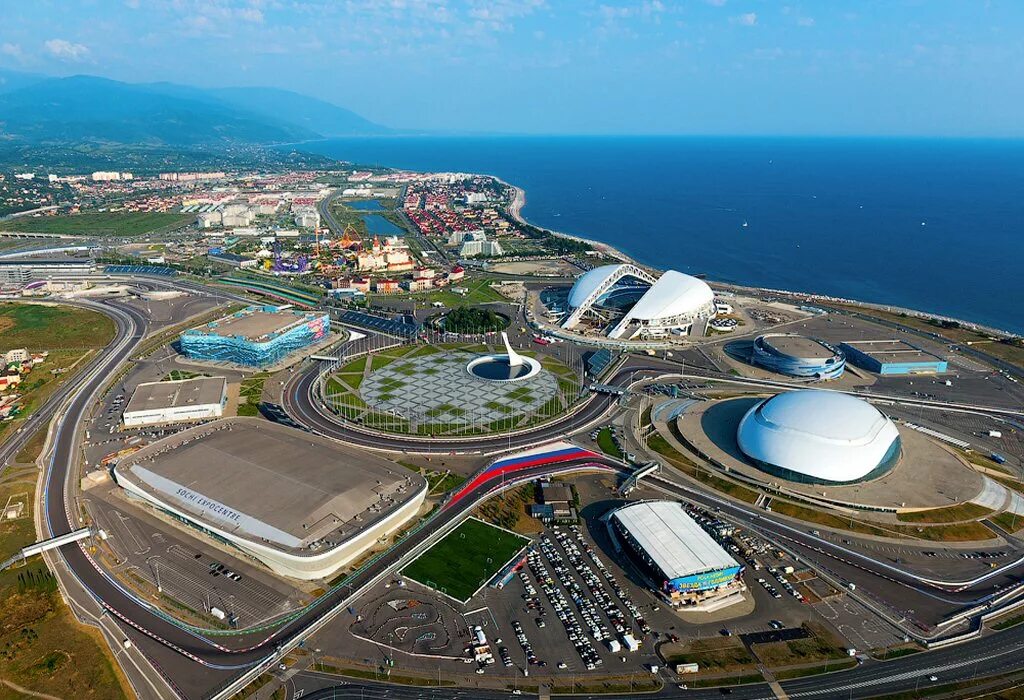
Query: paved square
[437, 389]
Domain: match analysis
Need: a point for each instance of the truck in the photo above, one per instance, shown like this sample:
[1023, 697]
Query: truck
[687, 668]
[218, 613]
[614, 646]
[995, 434]
[998, 458]
[630, 642]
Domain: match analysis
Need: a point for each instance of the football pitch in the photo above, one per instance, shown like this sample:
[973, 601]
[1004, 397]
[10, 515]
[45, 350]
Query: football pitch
[465, 559]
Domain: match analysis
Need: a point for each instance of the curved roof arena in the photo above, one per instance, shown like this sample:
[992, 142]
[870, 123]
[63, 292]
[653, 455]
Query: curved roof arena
[816, 436]
[672, 300]
[674, 294]
[592, 280]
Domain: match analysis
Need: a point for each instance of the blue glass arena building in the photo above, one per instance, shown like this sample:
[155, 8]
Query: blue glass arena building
[257, 336]
[798, 356]
[686, 563]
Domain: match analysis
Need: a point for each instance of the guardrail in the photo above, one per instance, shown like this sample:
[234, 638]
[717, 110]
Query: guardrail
[342, 605]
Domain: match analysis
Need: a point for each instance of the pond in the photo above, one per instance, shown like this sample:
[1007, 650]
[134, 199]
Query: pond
[377, 225]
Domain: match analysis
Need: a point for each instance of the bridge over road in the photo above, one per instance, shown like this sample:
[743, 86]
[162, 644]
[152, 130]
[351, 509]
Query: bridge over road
[46, 545]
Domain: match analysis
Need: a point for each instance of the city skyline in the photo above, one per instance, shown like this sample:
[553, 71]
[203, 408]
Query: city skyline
[740, 67]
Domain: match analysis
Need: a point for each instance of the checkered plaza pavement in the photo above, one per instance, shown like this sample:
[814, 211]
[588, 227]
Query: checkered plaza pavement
[438, 389]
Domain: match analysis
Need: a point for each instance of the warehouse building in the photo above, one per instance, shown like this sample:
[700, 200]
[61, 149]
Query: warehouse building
[892, 357]
[691, 569]
[155, 403]
[233, 260]
[257, 336]
[299, 503]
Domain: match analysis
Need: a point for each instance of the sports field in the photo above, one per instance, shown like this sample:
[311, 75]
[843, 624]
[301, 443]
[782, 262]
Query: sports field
[465, 559]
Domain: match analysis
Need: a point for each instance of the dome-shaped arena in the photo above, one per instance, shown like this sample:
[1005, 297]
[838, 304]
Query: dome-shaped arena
[649, 307]
[814, 436]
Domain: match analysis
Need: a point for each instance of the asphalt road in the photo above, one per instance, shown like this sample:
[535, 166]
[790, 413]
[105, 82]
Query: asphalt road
[42, 415]
[194, 665]
[987, 656]
[197, 666]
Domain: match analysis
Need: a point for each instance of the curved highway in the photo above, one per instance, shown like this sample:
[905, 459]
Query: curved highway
[302, 406]
[42, 415]
[197, 666]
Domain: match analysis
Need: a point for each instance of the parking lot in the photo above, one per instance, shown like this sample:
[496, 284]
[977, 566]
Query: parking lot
[861, 627]
[188, 573]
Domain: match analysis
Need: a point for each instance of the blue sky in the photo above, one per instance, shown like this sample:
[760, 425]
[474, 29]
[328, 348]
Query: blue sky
[936, 67]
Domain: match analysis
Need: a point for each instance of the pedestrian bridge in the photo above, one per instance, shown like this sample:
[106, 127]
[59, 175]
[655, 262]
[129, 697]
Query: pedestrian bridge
[46, 545]
[633, 479]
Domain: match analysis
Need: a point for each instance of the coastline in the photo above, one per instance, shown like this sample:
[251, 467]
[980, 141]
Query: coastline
[515, 211]
[519, 201]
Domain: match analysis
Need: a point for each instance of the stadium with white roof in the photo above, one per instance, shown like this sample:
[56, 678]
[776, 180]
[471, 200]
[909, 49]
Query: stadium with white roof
[688, 565]
[631, 304]
[819, 437]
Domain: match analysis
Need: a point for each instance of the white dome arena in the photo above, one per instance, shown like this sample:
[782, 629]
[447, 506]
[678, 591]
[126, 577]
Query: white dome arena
[814, 436]
[669, 304]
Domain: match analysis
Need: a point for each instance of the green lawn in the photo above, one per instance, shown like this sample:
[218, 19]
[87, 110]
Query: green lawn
[100, 223]
[1008, 521]
[176, 375]
[39, 327]
[607, 445]
[250, 394]
[465, 559]
[714, 655]
[479, 292]
[70, 335]
[950, 514]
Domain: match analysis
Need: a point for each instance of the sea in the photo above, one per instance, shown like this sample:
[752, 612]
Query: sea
[932, 225]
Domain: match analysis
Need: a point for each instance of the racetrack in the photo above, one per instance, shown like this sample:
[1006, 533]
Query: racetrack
[197, 665]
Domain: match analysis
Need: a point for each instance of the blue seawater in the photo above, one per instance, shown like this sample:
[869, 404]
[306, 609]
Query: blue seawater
[935, 225]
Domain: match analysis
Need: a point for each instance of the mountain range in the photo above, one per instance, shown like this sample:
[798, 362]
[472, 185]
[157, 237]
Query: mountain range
[37, 109]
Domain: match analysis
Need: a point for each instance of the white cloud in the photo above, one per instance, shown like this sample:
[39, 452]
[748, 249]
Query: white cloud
[748, 19]
[805, 21]
[716, 3]
[12, 50]
[66, 50]
[250, 14]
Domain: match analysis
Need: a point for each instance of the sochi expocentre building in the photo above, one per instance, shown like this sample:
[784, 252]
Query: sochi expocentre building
[819, 437]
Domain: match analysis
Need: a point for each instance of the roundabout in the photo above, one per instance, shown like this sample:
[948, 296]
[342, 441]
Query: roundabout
[451, 390]
[222, 661]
